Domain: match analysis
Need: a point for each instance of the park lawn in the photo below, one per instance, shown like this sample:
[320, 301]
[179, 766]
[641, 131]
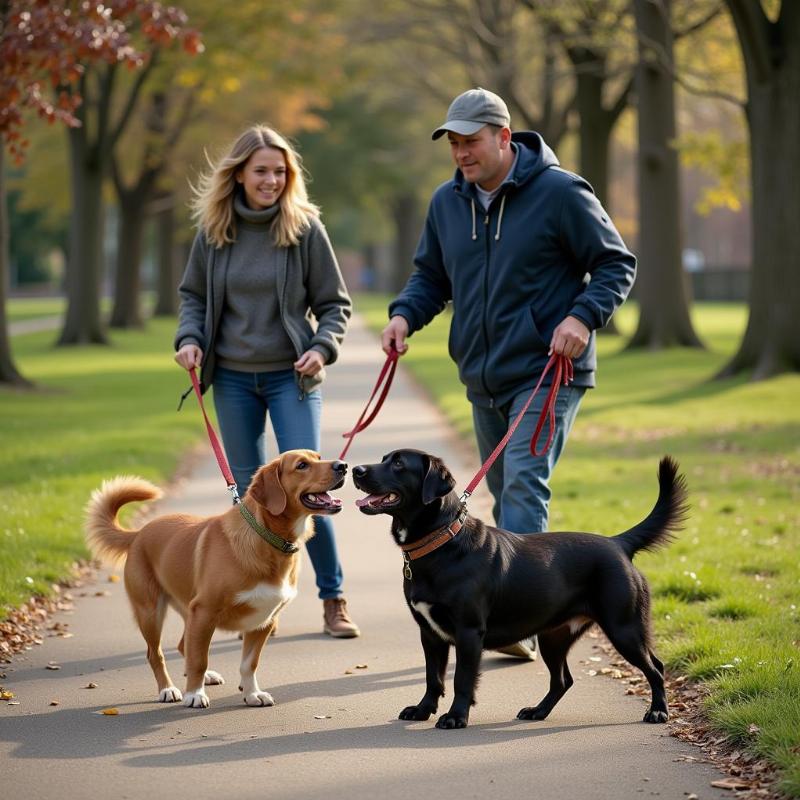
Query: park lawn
[21, 309]
[98, 412]
[727, 593]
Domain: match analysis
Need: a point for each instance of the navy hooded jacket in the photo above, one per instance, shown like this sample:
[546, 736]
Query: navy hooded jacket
[545, 249]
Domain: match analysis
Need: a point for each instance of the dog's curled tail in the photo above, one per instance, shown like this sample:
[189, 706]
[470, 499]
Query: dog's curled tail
[105, 537]
[667, 517]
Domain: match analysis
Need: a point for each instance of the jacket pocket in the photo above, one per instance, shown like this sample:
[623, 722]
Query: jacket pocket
[536, 336]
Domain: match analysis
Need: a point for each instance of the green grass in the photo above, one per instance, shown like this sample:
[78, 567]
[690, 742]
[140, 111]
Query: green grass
[727, 593]
[22, 309]
[98, 411]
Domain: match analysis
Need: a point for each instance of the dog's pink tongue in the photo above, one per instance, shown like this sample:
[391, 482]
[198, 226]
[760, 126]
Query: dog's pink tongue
[370, 498]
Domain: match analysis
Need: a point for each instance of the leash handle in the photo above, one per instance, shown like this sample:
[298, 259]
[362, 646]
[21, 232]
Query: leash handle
[563, 373]
[216, 445]
[387, 374]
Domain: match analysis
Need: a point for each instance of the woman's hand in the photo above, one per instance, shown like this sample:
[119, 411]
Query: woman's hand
[310, 363]
[189, 356]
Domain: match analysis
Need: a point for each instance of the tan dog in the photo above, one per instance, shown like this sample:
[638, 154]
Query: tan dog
[217, 572]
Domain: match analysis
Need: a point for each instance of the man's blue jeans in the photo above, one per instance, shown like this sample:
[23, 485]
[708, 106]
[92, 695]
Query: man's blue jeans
[519, 481]
[244, 401]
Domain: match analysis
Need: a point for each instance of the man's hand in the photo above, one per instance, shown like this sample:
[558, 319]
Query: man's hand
[189, 356]
[569, 338]
[394, 335]
[310, 363]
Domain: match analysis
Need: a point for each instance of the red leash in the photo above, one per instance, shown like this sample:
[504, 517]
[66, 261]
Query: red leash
[387, 372]
[215, 442]
[562, 374]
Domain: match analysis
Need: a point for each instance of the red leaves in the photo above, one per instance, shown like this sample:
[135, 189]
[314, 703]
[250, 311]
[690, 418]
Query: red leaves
[44, 43]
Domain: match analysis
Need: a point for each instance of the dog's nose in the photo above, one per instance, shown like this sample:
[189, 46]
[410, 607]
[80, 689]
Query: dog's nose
[360, 471]
[340, 466]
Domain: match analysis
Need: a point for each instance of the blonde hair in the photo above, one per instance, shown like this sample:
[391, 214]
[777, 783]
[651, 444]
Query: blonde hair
[212, 204]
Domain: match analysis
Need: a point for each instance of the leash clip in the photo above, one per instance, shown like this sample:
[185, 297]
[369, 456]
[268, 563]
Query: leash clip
[232, 488]
[406, 566]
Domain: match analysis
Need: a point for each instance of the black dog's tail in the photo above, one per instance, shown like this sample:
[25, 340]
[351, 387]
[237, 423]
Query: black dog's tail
[668, 514]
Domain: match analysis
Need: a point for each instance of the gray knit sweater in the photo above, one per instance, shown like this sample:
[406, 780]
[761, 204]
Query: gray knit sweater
[247, 304]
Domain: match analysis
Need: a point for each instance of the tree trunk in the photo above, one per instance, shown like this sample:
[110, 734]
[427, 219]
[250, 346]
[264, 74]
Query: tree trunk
[408, 224]
[770, 344]
[127, 310]
[167, 273]
[9, 374]
[595, 132]
[84, 271]
[661, 283]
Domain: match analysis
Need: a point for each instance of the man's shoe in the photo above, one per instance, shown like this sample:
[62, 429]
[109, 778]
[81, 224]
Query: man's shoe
[525, 649]
[337, 621]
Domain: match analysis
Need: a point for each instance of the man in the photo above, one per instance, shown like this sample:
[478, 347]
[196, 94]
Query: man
[533, 266]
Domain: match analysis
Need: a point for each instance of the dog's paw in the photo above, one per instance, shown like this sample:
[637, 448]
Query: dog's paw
[651, 715]
[213, 678]
[532, 712]
[416, 713]
[450, 721]
[197, 699]
[259, 698]
[170, 695]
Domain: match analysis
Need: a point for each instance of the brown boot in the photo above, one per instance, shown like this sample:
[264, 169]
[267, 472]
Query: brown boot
[337, 620]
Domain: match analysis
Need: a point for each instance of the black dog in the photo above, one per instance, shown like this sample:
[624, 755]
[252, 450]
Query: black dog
[481, 588]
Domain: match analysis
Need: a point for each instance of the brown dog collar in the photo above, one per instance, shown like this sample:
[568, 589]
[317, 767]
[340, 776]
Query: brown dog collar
[433, 541]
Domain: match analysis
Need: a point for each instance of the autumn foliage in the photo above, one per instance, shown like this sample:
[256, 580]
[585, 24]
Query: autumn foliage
[45, 46]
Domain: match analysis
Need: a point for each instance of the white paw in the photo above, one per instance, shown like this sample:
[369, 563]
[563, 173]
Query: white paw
[170, 695]
[198, 699]
[259, 698]
[213, 678]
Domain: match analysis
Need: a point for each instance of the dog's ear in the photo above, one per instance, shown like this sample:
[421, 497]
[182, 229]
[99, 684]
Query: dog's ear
[438, 481]
[266, 490]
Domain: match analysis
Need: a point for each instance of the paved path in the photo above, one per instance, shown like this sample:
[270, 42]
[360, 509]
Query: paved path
[334, 731]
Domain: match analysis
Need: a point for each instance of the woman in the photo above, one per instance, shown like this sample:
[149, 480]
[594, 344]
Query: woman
[260, 262]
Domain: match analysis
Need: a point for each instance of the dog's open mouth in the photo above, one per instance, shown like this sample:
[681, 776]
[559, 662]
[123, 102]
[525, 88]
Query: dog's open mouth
[322, 501]
[375, 503]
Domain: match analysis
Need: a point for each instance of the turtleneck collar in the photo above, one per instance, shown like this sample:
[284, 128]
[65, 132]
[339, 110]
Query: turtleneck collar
[254, 217]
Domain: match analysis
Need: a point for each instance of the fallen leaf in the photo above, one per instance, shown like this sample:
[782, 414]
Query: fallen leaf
[348, 672]
[6, 695]
[54, 702]
[53, 665]
[361, 666]
[322, 716]
[90, 686]
[113, 578]
[730, 783]
[109, 712]
[102, 593]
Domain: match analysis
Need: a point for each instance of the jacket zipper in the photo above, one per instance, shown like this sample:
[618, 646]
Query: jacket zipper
[485, 323]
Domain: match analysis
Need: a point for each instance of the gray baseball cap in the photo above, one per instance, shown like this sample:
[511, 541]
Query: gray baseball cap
[470, 111]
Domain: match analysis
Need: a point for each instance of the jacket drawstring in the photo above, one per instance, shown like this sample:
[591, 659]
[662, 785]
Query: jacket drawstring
[474, 231]
[500, 218]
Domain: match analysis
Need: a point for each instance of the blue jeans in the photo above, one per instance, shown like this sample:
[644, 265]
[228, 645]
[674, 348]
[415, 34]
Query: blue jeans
[244, 401]
[519, 481]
